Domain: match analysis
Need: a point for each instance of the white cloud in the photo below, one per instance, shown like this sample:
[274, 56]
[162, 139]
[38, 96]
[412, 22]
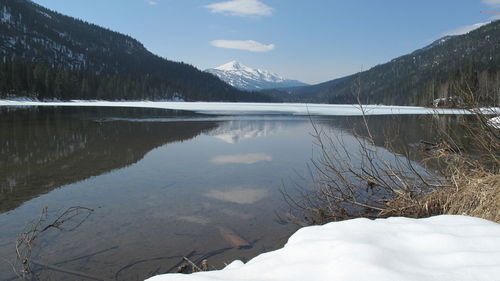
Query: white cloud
[251, 158]
[246, 45]
[465, 29]
[493, 3]
[152, 2]
[241, 8]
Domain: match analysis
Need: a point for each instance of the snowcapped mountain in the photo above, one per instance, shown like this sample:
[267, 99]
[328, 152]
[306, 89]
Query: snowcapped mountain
[251, 79]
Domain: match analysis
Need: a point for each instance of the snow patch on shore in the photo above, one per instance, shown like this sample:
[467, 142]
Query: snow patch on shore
[225, 108]
[442, 248]
[494, 122]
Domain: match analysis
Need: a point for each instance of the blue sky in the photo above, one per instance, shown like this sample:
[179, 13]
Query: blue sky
[309, 40]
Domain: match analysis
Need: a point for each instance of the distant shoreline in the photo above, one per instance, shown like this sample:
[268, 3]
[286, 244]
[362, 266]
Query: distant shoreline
[231, 108]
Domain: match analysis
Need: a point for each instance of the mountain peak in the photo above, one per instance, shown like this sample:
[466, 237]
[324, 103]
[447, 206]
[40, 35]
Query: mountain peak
[247, 78]
[232, 65]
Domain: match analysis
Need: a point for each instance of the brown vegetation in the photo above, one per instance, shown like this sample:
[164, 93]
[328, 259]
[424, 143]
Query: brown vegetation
[473, 178]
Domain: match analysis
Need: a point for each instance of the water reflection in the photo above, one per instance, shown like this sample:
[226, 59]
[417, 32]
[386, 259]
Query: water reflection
[403, 133]
[238, 195]
[149, 181]
[194, 219]
[235, 131]
[162, 185]
[44, 148]
[250, 158]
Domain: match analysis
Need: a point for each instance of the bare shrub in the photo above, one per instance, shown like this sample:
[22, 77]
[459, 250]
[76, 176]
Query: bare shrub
[374, 182]
[68, 220]
[355, 178]
[472, 172]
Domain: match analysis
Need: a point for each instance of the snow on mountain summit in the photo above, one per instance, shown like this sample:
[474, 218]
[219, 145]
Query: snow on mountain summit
[247, 78]
[231, 66]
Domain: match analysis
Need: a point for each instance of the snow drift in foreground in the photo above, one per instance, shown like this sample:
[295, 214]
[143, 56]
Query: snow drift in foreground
[224, 108]
[454, 248]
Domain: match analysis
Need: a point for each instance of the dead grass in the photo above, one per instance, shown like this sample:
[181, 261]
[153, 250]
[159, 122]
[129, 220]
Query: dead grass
[475, 193]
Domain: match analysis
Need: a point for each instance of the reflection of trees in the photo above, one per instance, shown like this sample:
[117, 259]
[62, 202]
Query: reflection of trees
[401, 133]
[42, 149]
[364, 167]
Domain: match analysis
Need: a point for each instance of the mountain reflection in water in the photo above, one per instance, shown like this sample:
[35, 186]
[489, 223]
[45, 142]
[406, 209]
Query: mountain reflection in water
[44, 148]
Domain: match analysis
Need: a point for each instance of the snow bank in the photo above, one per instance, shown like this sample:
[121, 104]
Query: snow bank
[223, 108]
[453, 248]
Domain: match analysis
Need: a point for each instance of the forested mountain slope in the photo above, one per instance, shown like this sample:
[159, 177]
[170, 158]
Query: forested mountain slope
[46, 55]
[443, 70]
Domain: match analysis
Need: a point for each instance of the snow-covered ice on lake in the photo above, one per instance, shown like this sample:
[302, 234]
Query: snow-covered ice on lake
[225, 108]
[442, 248]
[494, 122]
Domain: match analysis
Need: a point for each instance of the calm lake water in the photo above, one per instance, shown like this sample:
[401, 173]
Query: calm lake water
[162, 184]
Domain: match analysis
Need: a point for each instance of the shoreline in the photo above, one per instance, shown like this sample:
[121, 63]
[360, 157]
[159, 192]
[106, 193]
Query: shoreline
[231, 108]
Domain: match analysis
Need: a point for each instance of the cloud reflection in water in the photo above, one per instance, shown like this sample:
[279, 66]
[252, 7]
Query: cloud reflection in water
[238, 195]
[250, 158]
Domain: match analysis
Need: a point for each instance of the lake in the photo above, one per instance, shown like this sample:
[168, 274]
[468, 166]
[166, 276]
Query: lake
[163, 184]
